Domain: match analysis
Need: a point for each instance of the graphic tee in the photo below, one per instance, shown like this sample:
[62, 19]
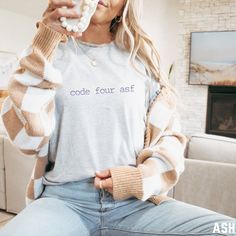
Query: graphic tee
[100, 111]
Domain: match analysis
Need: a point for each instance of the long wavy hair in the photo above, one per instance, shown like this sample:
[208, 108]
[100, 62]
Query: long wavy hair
[129, 35]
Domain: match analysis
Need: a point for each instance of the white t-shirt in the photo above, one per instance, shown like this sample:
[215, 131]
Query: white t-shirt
[100, 111]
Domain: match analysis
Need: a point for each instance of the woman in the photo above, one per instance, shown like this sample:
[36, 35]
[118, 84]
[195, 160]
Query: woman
[111, 116]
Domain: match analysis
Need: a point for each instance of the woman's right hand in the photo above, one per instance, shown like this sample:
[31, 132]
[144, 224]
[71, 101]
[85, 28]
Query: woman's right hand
[55, 10]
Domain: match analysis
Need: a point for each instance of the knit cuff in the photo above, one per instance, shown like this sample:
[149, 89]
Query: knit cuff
[127, 182]
[47, 39]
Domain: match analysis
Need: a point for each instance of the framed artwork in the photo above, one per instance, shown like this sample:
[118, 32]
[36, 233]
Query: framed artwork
[8, 63]
[213, 58]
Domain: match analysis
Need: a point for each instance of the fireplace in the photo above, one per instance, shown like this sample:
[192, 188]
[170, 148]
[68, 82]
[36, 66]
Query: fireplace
[221, 111]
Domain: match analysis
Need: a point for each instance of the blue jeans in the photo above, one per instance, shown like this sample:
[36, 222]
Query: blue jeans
[79, 209]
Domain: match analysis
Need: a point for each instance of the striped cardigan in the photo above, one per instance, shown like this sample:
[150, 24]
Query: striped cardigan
[28, 117]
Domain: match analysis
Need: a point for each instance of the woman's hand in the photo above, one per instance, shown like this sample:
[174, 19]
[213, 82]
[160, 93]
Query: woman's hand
[55, 10]
[103, 180]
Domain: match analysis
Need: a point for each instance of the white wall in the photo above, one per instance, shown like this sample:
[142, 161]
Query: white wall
[16, 31]
[31, 8]
[160, 20]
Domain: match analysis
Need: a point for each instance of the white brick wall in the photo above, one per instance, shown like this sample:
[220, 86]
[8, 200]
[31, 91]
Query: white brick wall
[197, 15]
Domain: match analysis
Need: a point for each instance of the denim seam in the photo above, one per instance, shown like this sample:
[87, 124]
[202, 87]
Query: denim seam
[95, 229]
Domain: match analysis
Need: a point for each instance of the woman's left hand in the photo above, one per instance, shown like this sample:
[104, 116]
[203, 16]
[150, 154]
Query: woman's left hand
[105, 178]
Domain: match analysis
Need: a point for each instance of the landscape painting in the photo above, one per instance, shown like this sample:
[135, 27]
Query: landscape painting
[213, 58]
[8, 63]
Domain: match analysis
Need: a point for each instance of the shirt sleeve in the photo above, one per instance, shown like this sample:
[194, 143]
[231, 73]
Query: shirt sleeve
[153, 89]
[28, 112]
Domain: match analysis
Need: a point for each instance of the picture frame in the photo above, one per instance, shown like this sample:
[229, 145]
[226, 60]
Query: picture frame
[8, 63]
[212, 58]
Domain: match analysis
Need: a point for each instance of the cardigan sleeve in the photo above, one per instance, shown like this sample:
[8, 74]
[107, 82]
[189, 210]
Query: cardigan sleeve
[162, 165]
[28, 111]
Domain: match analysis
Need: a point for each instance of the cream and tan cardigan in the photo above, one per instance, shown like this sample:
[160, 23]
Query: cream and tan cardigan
[29, 123]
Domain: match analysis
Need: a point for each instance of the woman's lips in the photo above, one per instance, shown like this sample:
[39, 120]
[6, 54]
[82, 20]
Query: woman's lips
[102, 3]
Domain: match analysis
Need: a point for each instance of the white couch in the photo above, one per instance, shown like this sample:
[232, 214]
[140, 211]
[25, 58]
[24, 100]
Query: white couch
[209, 179]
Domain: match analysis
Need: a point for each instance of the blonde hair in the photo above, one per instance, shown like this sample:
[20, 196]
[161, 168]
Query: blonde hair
[129, 35]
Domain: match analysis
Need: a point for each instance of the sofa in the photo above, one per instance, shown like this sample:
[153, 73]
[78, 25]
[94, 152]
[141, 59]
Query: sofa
[209, 179]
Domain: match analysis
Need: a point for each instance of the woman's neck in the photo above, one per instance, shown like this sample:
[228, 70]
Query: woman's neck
[97, 33]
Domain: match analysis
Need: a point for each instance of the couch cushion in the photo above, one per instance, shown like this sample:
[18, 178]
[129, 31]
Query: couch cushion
[211, 147]
[209, 185]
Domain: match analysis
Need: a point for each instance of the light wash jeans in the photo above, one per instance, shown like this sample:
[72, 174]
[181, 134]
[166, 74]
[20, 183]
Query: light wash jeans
[79, 209]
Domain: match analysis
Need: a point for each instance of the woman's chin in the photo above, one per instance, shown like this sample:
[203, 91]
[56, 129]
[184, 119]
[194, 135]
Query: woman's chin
[97, 18]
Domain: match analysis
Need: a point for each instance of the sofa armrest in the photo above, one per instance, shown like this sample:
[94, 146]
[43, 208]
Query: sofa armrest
[208, 184]
[211, 147]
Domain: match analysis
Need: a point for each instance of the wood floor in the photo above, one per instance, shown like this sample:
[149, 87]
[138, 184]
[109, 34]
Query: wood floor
[5, 217]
